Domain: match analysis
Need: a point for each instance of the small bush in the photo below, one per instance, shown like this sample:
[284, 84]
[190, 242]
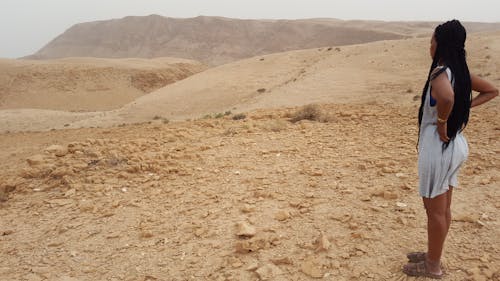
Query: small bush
[261, 90]
[309, 112]
[217, 115]
[239, 116]
[163, 119]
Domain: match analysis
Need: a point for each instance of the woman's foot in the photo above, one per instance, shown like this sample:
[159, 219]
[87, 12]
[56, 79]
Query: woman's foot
[422, 269]
[415, 257]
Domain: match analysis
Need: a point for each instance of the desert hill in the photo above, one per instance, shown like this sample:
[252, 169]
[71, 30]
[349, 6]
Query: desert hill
[391, 72]
[404, 28]
[86, 84]
[217, 40]
[212, 40]
[381, 72]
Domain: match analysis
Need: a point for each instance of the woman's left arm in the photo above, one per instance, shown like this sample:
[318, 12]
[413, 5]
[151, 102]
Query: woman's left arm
[486, 90]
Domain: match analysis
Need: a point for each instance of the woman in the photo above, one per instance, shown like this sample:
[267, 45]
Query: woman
[443, 114]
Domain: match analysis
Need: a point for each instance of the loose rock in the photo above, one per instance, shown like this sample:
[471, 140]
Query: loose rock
[268, 272]
[57, 150]
[245, 230]
[312, 268]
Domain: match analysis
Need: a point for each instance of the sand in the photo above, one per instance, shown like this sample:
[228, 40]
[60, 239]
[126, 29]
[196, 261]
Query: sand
[335, 201]
[260, 198]
[389, 72]
[86, 84]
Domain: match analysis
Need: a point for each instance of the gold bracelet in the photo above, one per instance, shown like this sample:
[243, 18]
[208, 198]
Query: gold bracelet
[442, 120]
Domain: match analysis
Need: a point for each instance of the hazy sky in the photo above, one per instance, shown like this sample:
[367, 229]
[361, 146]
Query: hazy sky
[27, 25]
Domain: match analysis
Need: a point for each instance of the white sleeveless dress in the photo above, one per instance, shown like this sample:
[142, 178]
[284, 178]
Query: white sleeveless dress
[437, 167]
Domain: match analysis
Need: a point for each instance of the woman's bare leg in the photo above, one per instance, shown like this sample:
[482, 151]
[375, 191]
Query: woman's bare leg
[448, 207]
[438, 221]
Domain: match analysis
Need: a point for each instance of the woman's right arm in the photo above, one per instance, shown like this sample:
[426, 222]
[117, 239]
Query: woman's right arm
[486, 90]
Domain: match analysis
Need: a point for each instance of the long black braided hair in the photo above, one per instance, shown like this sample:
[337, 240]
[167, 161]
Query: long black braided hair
[450, 52]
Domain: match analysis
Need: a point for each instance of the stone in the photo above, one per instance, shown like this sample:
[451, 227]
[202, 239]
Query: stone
[282, 260]
[146, 234]
[387, 170]
[378, 192]
[401, 175]
[362, 248]
[282, 215]
[485, 181]
[248, 246]
[252, 266]
[247, 208]
[390, 195]
[317, 173]
[199, 232]
[244, 229]
[74, 147]
[235, 262]
[7, 232]
[322, 243]
[57, 150]
[465, 218]
[268, 272]
[402, 221]
[312, 268]
[86, 206]
[401, 205]
[61, 172]
[36, 160]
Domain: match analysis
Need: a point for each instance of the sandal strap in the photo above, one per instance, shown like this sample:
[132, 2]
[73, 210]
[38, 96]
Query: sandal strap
[420, 269]
[416, 256]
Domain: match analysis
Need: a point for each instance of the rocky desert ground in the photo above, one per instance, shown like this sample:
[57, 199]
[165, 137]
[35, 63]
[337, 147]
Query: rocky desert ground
[208, 178]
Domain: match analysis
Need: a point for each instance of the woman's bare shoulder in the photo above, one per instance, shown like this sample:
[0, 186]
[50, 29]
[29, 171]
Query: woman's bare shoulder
[437, 71]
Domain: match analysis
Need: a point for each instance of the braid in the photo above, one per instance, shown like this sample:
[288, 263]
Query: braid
[450, 37]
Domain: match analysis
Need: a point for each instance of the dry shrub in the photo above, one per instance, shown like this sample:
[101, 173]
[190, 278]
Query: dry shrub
[239, 116]
[161, 118]
[310, 112]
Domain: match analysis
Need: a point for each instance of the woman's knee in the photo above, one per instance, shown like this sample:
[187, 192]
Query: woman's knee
[438, 212]
[437, 215]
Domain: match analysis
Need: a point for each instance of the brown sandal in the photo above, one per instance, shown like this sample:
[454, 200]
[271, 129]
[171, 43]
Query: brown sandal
[415, 257]
[420, 269]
